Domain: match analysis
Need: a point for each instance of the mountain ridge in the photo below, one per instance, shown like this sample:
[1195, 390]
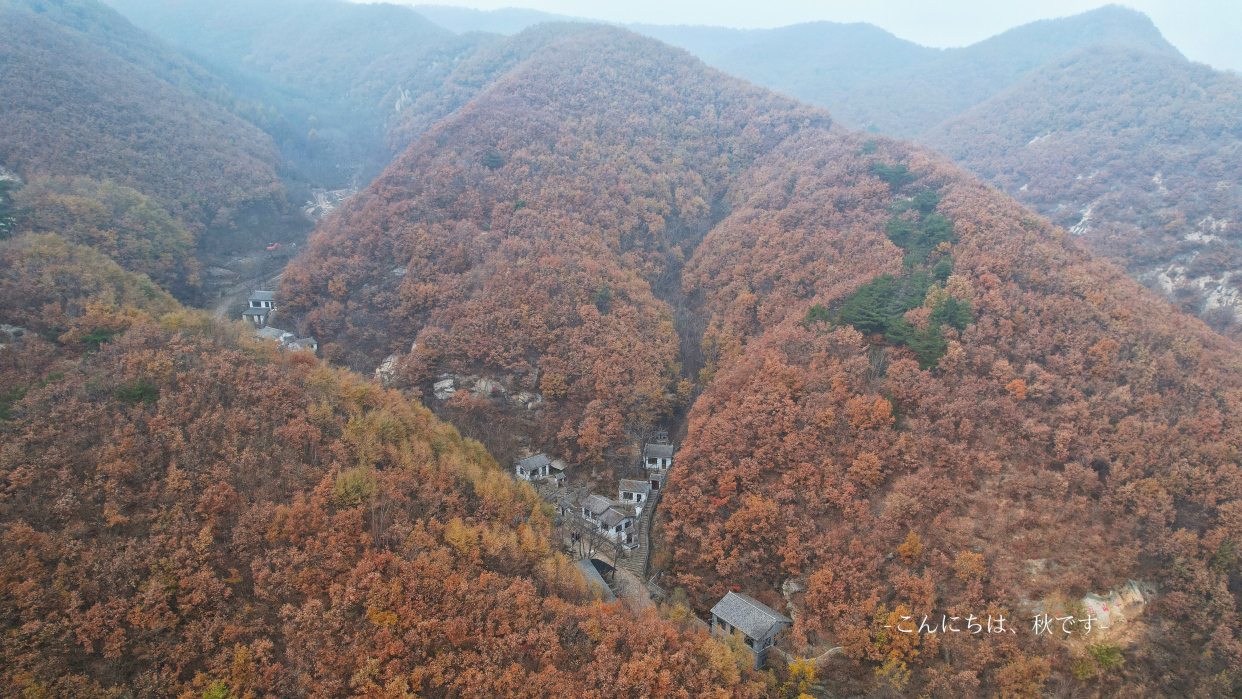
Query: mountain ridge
[1132, 150]
[34, 151]
[157, 166]
[959, 99]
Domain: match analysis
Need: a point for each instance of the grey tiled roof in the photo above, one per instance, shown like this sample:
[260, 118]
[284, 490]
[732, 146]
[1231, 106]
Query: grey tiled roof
[531, 463]
[630, 486]
[260, 312]
[750, 616]
[574, 497]
[597, 504]
[612, 517]
[263, 295]
[661, 450]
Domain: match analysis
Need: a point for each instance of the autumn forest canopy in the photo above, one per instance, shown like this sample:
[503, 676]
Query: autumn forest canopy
[898, 389]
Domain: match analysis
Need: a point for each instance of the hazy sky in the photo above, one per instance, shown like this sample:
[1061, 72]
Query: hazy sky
[1204, 30]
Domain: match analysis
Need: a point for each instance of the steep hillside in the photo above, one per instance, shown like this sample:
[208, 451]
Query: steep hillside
[469, 77]
[98, 24]
[531, 235]
[1033, 428]
[184, 512]
[116, 221]
[918, 398]
[86, 96]
[1138, 152]
[1093, 120]
[71, 293]
[322, 77]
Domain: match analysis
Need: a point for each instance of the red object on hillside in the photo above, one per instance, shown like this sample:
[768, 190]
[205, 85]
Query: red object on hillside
[273, 246]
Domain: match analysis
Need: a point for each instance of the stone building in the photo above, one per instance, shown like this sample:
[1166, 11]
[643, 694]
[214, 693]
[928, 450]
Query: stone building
[260, 307]
[756, 622]
[636, 493]
[532, 468]
[614, 520]
[657, 460]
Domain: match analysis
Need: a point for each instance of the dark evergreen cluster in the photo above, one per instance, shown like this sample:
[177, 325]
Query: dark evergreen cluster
[879, 308]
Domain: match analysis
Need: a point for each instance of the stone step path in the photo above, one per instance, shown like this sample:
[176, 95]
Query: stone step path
[636, 560]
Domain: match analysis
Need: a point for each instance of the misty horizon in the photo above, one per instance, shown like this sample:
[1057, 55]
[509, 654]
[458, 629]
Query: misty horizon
[1202, 31]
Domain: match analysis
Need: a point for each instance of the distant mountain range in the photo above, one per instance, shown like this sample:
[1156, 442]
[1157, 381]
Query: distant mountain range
[869, 78]
[1138, 152]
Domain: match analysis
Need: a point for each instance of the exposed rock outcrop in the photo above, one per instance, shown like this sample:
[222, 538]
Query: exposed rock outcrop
[387, 370]
[10, 334]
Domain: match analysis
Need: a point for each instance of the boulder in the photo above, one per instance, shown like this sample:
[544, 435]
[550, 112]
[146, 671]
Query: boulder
[528, 400]
[791, 587]
[10, 334]
[486, 388]
[443, 389]
[387, 370]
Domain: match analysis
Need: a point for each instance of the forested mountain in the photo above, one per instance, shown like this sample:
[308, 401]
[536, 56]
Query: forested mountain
[898, 394]
[186, 512]
[1093, 120]
[868, 78]
[1138, 152]
[470, 76]
[506, 20]
[917, 396]
[1059, 432]
[578, 211]
[87, 95]
[1101, 95]
[323, 77]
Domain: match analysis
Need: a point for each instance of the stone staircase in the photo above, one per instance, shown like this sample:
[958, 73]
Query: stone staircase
[636, 560]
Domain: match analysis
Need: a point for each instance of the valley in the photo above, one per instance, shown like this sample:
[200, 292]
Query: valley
[608, 372]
